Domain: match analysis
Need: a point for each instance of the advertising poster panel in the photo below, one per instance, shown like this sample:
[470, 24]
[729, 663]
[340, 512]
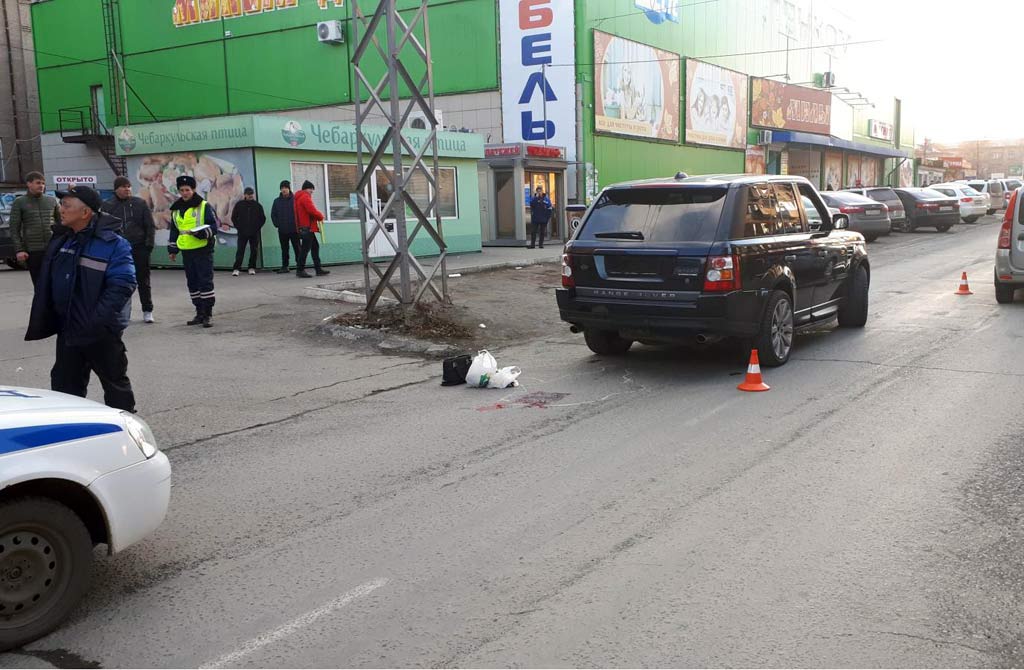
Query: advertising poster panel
[833, 170]
[716, 106]
[787, 107]
[221, 177]
[636, 89]
[755, 161]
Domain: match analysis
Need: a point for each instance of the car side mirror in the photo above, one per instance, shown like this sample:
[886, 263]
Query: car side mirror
[840, 222]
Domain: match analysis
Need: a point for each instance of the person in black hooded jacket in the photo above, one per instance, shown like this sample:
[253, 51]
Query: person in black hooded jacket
[193, 232]
[248, 218]
[138, 228]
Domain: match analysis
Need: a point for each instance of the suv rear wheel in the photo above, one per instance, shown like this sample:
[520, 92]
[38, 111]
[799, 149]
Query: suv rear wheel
[1004, 292]
[853, 313]
[606, 342]
[774, 342]
[45, 567]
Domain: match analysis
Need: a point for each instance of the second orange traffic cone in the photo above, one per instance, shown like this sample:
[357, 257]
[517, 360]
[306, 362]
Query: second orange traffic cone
[753, 382]
[964, 288]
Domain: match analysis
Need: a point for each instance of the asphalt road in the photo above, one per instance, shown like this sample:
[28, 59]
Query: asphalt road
[339, 508]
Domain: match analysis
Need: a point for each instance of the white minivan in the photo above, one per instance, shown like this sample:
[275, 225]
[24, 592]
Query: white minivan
[73, 474]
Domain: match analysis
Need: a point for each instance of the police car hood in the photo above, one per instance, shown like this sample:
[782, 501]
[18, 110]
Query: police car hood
[20, 400]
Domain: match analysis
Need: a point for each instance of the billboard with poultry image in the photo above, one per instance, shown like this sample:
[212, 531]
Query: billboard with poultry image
[221, 177]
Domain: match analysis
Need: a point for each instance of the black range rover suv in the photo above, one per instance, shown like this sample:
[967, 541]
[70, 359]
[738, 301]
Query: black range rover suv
[703, 258]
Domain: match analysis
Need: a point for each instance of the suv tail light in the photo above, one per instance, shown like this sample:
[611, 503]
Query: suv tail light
[567, 279]
[723, 274]
[852, 210]
[1006, 232]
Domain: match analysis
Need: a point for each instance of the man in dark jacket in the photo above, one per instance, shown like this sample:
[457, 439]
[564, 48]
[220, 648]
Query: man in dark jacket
[248, 218]
[138, 228]
[32, 216]
[83, 297]
[540, 214]
[282, 215]
[193, 232]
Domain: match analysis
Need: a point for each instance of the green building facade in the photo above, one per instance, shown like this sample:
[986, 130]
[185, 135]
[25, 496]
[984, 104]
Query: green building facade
[629, 89]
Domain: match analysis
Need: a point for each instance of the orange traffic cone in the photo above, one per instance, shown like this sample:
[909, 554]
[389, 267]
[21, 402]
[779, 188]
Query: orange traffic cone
[753, 382]
[964, 288]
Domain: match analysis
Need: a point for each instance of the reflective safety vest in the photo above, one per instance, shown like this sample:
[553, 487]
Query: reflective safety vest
[192, 218]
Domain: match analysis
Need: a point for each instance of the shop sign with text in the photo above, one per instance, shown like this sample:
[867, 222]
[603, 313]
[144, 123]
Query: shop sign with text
[192, 12]
[880, 130]
[538, 68]
[788, 107]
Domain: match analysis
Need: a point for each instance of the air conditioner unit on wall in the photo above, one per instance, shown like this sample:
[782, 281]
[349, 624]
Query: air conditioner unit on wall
[330, 32]
[764, 137]
[419, 120]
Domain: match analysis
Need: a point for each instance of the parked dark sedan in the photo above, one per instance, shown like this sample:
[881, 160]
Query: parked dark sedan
[7, 252]
[927, 208]
[703, 258]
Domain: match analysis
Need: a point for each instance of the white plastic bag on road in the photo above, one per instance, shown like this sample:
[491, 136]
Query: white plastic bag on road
[504, 378]
[481, 370]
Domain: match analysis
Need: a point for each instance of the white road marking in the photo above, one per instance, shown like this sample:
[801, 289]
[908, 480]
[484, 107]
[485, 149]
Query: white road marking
[305, 620]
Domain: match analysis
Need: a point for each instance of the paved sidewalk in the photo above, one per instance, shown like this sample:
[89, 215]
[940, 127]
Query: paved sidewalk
[346, 282]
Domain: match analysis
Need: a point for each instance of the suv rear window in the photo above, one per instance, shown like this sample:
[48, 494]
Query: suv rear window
[656, 214]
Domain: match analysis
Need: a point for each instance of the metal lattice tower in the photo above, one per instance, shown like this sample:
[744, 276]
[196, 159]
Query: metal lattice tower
[405, 157]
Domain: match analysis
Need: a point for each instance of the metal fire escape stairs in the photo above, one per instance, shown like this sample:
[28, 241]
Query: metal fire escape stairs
[85, 125]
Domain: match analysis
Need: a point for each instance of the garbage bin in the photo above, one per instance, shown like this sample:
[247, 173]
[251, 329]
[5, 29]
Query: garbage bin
[574, 216]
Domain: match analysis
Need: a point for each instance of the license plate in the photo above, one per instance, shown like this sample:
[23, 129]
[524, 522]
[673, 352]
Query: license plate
[874, 212]
[945, 209]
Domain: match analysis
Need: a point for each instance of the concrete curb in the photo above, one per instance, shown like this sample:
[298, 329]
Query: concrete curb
[350, 291]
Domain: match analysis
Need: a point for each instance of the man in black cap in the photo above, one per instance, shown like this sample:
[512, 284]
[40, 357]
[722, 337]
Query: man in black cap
[282, 215]
[138, 228]
[193, 232]
[84, 297]
[248, 218]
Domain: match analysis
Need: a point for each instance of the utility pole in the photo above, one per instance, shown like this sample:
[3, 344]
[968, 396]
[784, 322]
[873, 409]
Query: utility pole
[410, 153]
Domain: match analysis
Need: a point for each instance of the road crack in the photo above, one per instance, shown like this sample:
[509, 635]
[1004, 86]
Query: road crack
[930, 639]
[292, 417]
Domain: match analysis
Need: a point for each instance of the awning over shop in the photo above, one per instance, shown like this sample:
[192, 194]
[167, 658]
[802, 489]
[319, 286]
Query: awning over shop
[789, 136]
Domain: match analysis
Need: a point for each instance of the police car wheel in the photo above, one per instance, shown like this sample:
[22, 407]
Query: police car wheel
[45, 567]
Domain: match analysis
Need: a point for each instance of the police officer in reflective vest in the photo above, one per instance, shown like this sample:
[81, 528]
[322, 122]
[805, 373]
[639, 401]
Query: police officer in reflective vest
[194, 234]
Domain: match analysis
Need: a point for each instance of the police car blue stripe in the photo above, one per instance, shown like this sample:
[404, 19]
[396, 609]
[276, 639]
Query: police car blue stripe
[30, 437]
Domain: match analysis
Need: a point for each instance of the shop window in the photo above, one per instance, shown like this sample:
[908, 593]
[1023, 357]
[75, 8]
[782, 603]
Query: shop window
[447, 202]
[342, 181]
[314, 173]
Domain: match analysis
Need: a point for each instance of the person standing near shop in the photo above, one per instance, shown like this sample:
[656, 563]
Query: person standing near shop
[84, 296]
[248, 218]
[307, 222]
[540, 215]
[282, 215]
[194, 234]
[33, 216]
[138, 228]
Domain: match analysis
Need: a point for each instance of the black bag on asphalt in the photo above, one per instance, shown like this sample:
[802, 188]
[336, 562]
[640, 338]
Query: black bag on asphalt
[454, 370]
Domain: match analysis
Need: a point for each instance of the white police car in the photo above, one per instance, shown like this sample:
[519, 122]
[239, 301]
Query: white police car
[73, 474]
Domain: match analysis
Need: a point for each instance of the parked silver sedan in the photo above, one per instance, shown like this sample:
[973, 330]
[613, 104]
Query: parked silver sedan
[868, 217]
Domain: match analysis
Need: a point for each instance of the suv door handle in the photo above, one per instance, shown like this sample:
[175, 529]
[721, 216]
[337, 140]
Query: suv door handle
[791, 259]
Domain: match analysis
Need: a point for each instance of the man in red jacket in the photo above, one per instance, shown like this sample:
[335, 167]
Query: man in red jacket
[307, 221]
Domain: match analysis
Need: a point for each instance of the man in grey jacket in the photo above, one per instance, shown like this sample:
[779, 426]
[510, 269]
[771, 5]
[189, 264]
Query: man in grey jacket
[138, 228]
[32, 219]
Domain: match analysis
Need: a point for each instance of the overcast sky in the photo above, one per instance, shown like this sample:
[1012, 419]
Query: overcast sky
[958, 64]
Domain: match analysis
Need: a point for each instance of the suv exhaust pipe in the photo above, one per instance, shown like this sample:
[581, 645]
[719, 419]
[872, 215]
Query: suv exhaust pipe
[703, 338]
[574, 329]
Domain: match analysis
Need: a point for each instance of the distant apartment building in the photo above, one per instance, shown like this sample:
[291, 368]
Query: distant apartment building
[988, 157]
